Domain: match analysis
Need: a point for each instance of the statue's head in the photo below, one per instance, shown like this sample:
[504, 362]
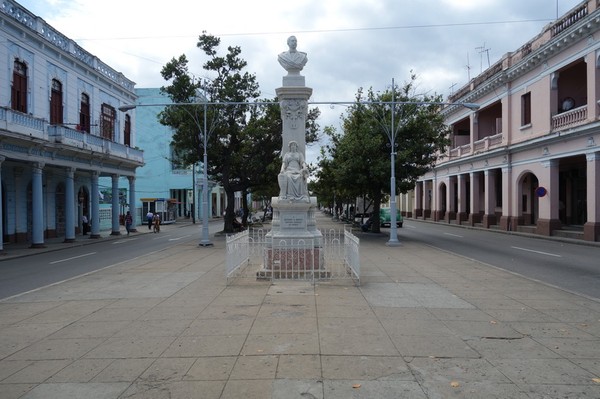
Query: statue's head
[293, 146]
[292, 42]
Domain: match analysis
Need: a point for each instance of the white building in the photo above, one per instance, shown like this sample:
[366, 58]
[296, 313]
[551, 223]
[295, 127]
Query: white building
[60, 131]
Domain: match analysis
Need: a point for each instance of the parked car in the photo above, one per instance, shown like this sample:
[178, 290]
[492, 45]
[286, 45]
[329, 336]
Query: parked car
[360, 218]
[385, 217]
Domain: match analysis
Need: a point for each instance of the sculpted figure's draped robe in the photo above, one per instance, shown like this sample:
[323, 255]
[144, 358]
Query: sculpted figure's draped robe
[292, 61]
[292, 179]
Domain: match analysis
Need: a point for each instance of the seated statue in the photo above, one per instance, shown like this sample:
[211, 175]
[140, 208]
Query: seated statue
[293, 175]
[292, 60]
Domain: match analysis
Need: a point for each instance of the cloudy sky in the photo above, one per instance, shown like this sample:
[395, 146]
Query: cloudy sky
[350, 43]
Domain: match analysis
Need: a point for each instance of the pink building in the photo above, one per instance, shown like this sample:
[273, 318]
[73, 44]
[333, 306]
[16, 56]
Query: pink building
[529, 158]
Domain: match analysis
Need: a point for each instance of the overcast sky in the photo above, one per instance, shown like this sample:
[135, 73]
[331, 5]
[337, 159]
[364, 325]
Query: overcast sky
[350, 43]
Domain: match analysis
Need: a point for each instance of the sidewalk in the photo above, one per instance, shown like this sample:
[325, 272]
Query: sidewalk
[19, 250]
[423, 324]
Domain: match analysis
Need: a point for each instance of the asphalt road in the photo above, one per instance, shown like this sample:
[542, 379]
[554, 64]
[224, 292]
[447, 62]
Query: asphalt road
[570, 266]
[25, 274]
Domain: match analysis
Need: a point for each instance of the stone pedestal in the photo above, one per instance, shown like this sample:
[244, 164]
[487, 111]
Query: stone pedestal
[294, 246]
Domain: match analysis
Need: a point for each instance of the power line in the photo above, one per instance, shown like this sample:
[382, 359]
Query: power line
[401, 27]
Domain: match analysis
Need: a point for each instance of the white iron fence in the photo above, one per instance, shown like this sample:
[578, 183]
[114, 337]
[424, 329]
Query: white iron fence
[249, 256]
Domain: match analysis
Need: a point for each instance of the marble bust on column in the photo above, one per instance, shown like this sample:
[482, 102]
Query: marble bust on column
[293, 61]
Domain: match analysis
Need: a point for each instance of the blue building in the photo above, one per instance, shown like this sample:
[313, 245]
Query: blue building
[60, 133]
[163, 185]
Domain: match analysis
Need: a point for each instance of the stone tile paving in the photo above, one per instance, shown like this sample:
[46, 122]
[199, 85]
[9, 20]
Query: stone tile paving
[423, 324]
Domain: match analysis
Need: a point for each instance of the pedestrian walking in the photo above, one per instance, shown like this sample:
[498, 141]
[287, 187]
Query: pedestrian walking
[128, 222]
[85, 225]
[156, 222]
[149, 217]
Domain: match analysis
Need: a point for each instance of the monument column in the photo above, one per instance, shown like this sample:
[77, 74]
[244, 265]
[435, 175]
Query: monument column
[294, 245]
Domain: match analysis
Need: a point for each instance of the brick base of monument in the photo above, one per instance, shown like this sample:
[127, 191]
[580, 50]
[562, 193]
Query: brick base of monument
[292, 263]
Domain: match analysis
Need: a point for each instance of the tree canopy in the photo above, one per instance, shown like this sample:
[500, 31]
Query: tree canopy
[357, 161]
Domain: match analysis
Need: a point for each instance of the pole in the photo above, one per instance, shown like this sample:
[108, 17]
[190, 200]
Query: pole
[193, 194]
[205, 242]
[393, 241]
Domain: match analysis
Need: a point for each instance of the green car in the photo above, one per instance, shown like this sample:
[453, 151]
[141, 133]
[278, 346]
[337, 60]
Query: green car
[385, 218]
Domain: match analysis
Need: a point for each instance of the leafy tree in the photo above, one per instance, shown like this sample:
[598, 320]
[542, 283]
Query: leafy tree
[360, 157]
[227, 141]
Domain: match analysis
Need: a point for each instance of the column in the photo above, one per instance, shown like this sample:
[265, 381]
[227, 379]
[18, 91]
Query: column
[116, 230]
[591, 228]
[427, 198]
[508, 220]
[548, 204]
[436, 200]
[2, 159]
[451, 199]
[489, 216]
[418, 203]
[94, 217]
[70, 205]
[37, 206]
[592, 63]
[462, 199]
[474, 212]
[132, 202]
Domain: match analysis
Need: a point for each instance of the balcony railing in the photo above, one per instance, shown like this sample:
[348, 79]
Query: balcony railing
[31, 127]
[570, 118]
[488, 142]
[460, 151]
[85, 141]
[21, 123]
[575, 15]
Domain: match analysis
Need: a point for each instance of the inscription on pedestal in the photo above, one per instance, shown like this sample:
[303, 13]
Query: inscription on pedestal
[293, 221]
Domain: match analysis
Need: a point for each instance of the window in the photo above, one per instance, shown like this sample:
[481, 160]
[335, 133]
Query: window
[18, 92]
[84, 113]
[107, 122]
[526, 109]
[127, 131]
[56, 103]
[177, 161]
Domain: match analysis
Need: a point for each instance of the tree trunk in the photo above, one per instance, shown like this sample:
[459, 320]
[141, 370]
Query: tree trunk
[229, 210]
[245, 208]
[376, 225]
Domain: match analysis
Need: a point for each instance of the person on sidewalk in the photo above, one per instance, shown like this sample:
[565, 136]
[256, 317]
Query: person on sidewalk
[156, 223]
[128, 222]
[149, 218]
[85, 225]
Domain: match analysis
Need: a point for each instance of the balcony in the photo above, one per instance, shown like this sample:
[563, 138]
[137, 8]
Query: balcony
[488, 143]
[86, 141]
[574, 117]
[460, 151]
[19, 123]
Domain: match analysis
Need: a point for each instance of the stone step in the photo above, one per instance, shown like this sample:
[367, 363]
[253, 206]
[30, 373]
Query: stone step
[575, 234]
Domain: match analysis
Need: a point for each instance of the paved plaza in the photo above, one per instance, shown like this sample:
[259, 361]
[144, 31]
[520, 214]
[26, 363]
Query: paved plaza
[423, 324]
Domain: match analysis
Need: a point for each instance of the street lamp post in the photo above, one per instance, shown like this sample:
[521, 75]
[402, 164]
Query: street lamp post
[205, 241]
[393, 241]
[193, 203]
